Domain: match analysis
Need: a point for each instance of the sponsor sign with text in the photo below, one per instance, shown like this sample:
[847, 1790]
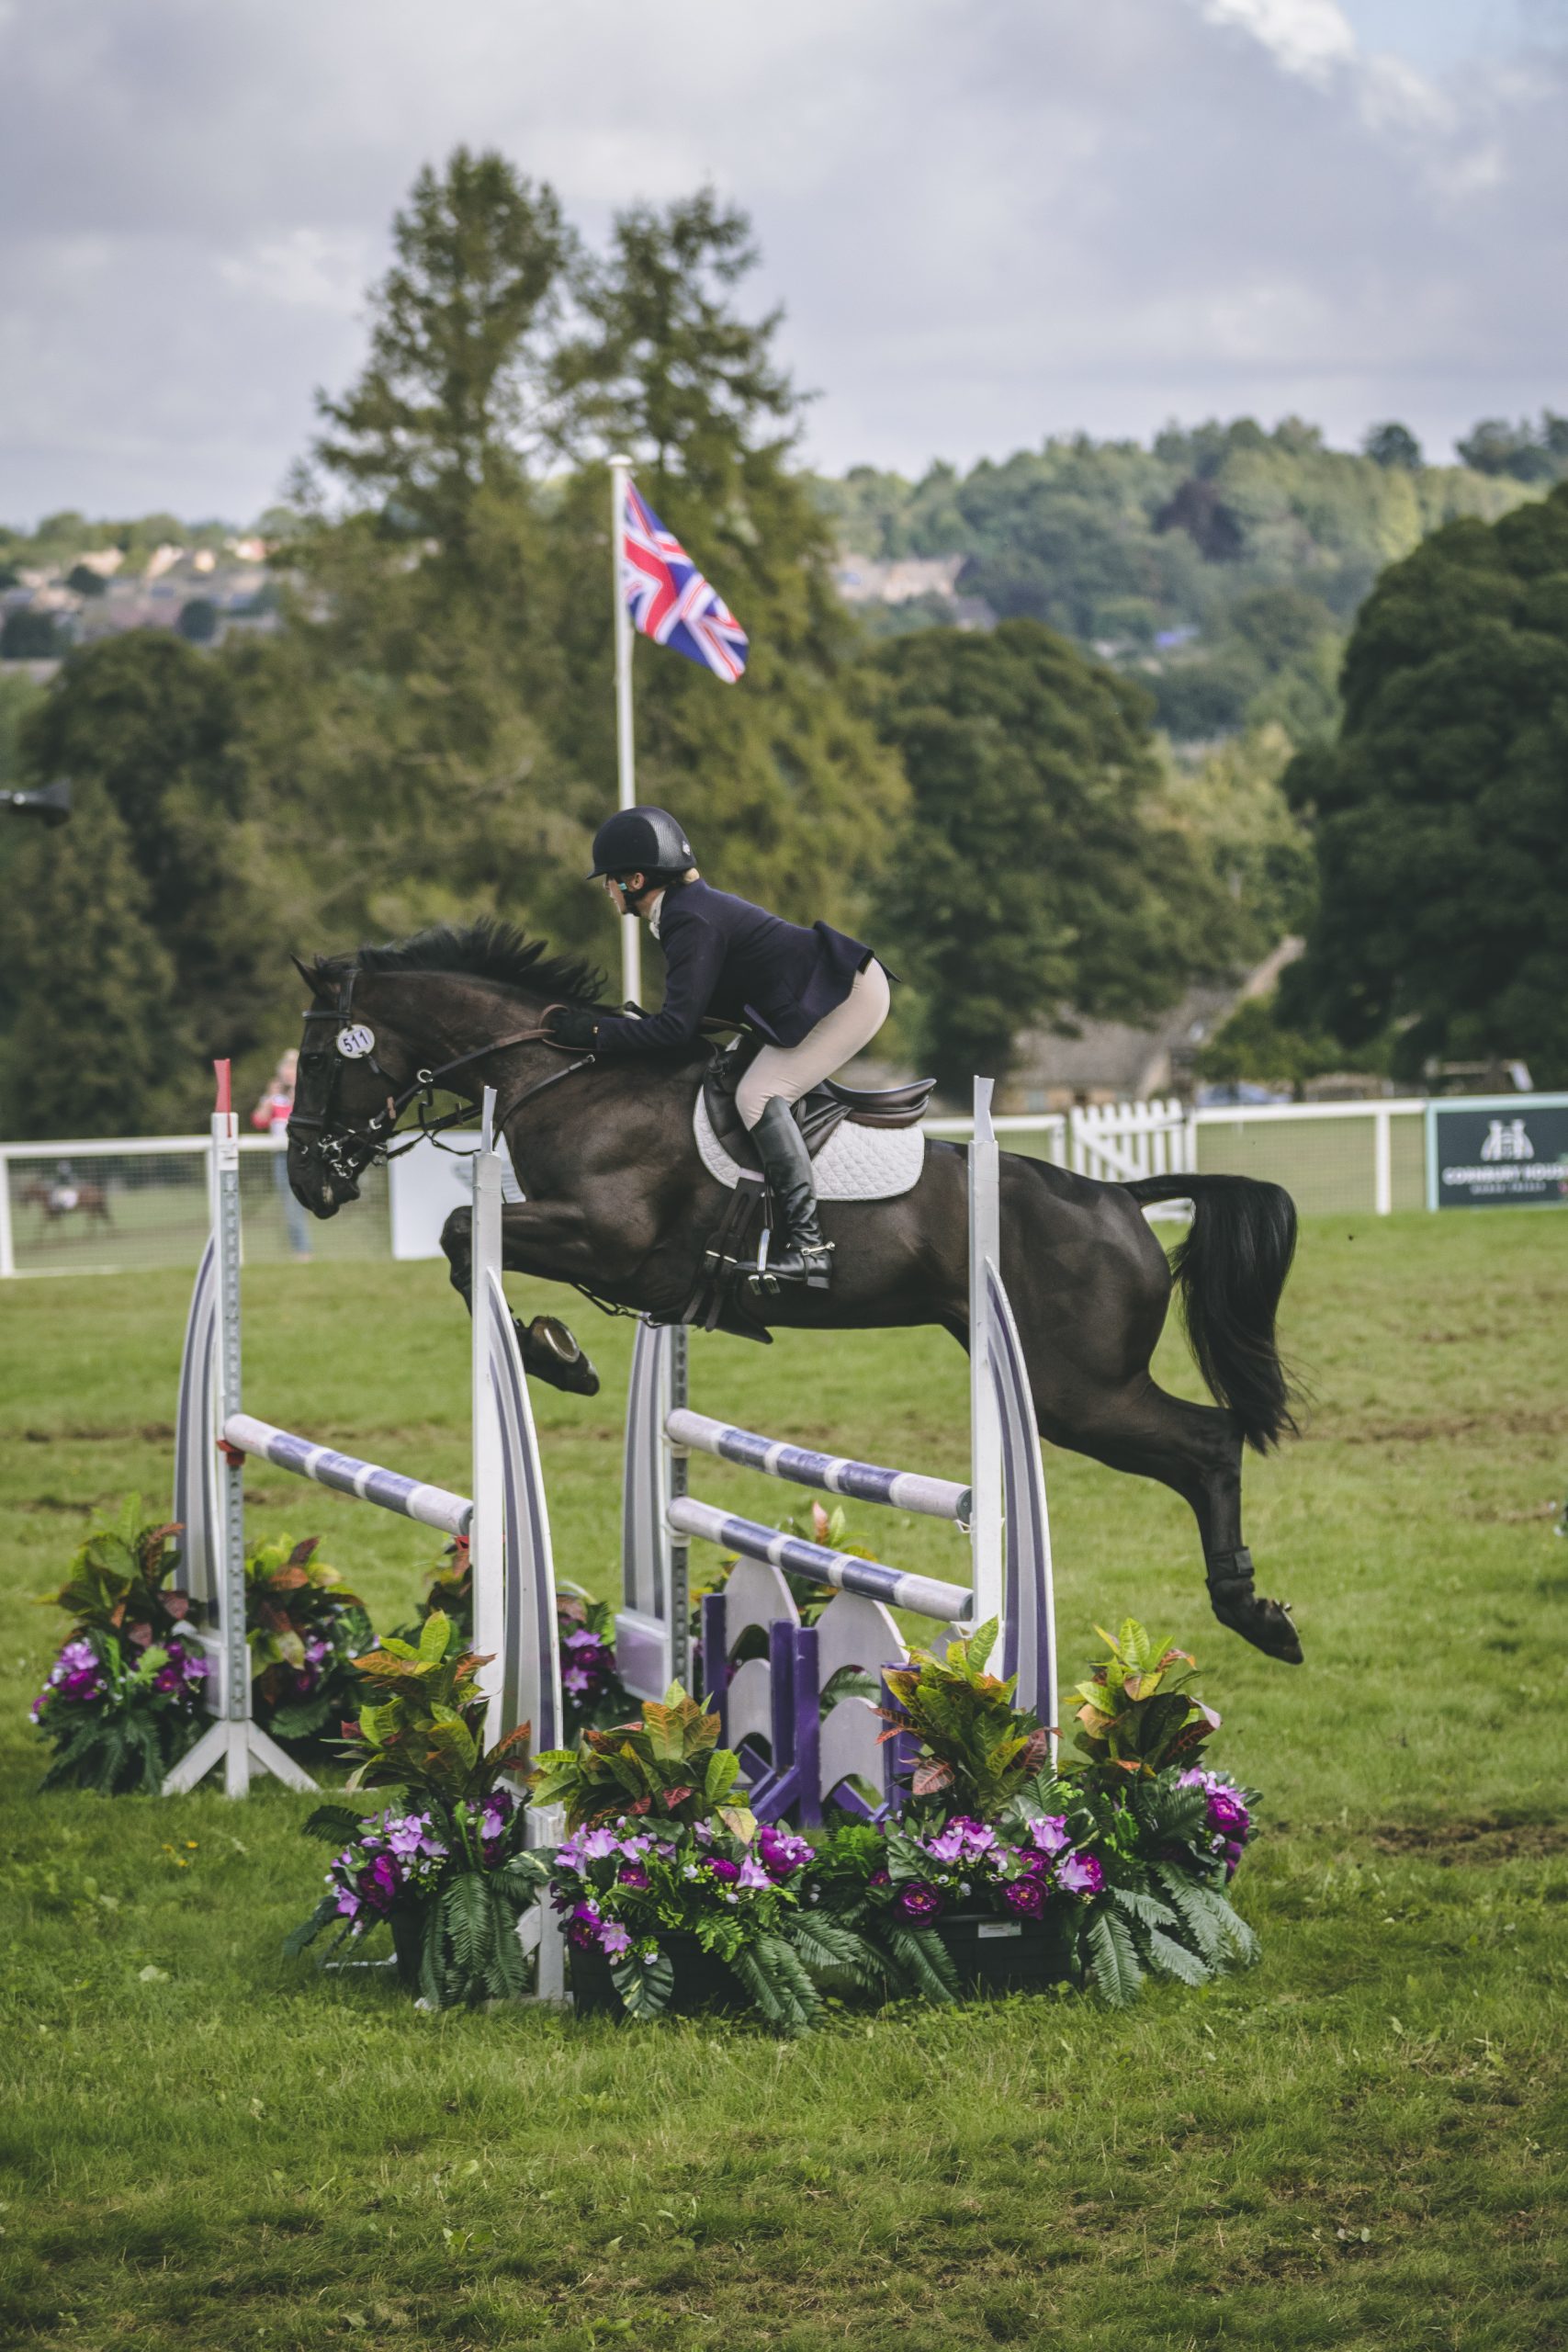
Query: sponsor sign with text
[1498, 1151]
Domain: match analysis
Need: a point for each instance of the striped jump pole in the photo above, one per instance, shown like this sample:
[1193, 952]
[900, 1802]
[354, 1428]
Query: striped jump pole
[845, 1571]
[434, 1507]
[831, 1473]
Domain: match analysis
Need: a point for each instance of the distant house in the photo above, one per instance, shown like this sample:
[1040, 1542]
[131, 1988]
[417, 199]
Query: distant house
[1116, 1061]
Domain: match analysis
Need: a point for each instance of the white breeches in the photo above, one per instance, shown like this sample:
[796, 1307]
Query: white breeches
[790, 1072]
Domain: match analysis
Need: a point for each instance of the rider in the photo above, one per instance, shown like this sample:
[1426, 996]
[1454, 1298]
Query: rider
[816, 998]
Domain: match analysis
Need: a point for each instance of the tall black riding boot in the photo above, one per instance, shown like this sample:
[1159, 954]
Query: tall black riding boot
[796, 1252]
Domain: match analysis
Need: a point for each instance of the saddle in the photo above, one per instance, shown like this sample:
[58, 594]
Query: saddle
[818, 1114]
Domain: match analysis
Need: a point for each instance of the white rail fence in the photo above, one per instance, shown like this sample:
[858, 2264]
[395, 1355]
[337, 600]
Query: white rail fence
[141, 1202]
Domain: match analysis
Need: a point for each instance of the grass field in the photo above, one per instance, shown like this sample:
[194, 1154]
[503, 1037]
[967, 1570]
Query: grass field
[1361, 2143]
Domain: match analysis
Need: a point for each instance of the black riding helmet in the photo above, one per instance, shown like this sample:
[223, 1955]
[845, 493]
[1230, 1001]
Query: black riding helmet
[640, 840]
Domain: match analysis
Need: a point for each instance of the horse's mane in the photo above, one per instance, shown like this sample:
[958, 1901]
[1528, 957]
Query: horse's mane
[487, 951]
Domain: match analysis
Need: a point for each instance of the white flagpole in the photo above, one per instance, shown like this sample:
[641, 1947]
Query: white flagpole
[631, 944]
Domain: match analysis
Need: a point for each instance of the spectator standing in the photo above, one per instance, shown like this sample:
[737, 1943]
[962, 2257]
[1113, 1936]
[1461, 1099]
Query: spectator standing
[272, 1114]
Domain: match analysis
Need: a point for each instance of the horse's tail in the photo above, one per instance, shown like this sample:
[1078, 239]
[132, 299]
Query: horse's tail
[1230, 1269]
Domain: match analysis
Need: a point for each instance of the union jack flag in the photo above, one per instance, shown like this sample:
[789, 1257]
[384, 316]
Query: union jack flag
[670, 600]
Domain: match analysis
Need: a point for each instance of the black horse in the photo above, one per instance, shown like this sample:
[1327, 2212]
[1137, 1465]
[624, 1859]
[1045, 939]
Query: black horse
[620, 1204]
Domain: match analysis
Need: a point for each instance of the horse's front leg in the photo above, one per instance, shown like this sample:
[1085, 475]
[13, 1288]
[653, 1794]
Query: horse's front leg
[536, 1238]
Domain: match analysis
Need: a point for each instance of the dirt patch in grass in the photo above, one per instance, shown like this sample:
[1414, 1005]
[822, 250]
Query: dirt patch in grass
[1514, 1421]
[1496, 1840]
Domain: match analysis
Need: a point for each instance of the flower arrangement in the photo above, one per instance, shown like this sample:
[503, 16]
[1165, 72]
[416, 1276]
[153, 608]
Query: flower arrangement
[124, 1698]
[448, 1873]
[1118, 1865]
[663, 1870]
[305, 1633]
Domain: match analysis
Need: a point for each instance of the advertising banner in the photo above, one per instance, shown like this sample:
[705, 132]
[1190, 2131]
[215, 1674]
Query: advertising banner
[1497, 1151]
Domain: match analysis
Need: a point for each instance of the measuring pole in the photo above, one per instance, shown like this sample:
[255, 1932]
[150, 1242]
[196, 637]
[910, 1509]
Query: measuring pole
[631, 946]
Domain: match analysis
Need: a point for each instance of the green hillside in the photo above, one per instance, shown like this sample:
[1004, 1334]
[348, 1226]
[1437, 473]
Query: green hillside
[1224, 564]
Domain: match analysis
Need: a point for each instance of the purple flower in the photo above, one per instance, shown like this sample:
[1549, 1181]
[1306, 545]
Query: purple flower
[918, 1900]
[381, 1883]
[1080, 1874]
[1025, 1894]
[596, 1845]
[613, 1939]
[727, 1871]
[575, 1682]
[1048, 1833]
[880, 1878]
[753, 1876]
[583, 1927]
[1227, 1814]
[780, 1852]
[1230, 1854]
[632, 1874]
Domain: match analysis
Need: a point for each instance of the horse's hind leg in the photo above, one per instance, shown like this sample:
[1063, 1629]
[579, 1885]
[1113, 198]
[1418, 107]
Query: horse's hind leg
[550, 1352]
[1195, 1450]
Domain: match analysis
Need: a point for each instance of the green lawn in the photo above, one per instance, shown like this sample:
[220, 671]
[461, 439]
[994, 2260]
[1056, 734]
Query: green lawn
[1360, 2143]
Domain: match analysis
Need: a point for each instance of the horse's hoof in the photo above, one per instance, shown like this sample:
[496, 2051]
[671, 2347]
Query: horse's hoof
[1266, 1624]
[552, 1353]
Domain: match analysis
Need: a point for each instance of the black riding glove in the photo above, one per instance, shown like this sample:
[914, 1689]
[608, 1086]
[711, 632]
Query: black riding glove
[574, 1024]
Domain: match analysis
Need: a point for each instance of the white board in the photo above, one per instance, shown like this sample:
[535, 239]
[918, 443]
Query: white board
[427, 1184]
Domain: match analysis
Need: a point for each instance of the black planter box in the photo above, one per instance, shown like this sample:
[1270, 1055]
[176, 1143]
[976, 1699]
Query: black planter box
[701, 1980]
[994, 1955]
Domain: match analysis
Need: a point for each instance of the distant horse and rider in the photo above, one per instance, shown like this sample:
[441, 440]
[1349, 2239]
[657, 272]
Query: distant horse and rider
[600, 1109]
[66, 1195]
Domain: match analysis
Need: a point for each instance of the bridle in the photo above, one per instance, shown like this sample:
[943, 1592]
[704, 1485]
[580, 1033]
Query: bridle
[346, 1151]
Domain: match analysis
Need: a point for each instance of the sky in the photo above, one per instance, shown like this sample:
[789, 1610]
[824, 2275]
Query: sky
[988, 221]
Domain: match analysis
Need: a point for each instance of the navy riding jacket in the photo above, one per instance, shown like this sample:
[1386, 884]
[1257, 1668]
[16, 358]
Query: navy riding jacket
[726, 959]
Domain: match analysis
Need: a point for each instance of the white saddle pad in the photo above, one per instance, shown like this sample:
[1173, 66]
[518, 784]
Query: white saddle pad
[854, 1164]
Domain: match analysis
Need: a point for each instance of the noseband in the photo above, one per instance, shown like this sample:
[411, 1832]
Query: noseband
[346, 1151]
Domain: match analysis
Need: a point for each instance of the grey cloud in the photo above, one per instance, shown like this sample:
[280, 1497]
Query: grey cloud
[990, 219]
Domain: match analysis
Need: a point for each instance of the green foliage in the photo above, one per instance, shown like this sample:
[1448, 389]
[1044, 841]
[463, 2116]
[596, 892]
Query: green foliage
[118, 1579]
[457, 378]
[1257, 1043]
[1441, 814]
[305, 1634]
[92, 1050]
[1392, 444]
[1247, 837]
[1119, 546]
[1037, 870]
[422, 1728]
[976, 1747]
[668, 1766]
[150, 950]
[1523, 452]
[1137, 1715]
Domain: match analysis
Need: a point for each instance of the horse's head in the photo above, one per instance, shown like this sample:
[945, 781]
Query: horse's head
[387, 1024]
[354, 1065]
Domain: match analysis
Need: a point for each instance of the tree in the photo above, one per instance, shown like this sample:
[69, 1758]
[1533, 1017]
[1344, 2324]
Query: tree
[1036, 876]
[91, 1051]
[1394, 445]
[780, 779]
[152, 723]
[458, 382]
[30, 635]
[1441, 814]
[1523, 451]
[197, 623]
